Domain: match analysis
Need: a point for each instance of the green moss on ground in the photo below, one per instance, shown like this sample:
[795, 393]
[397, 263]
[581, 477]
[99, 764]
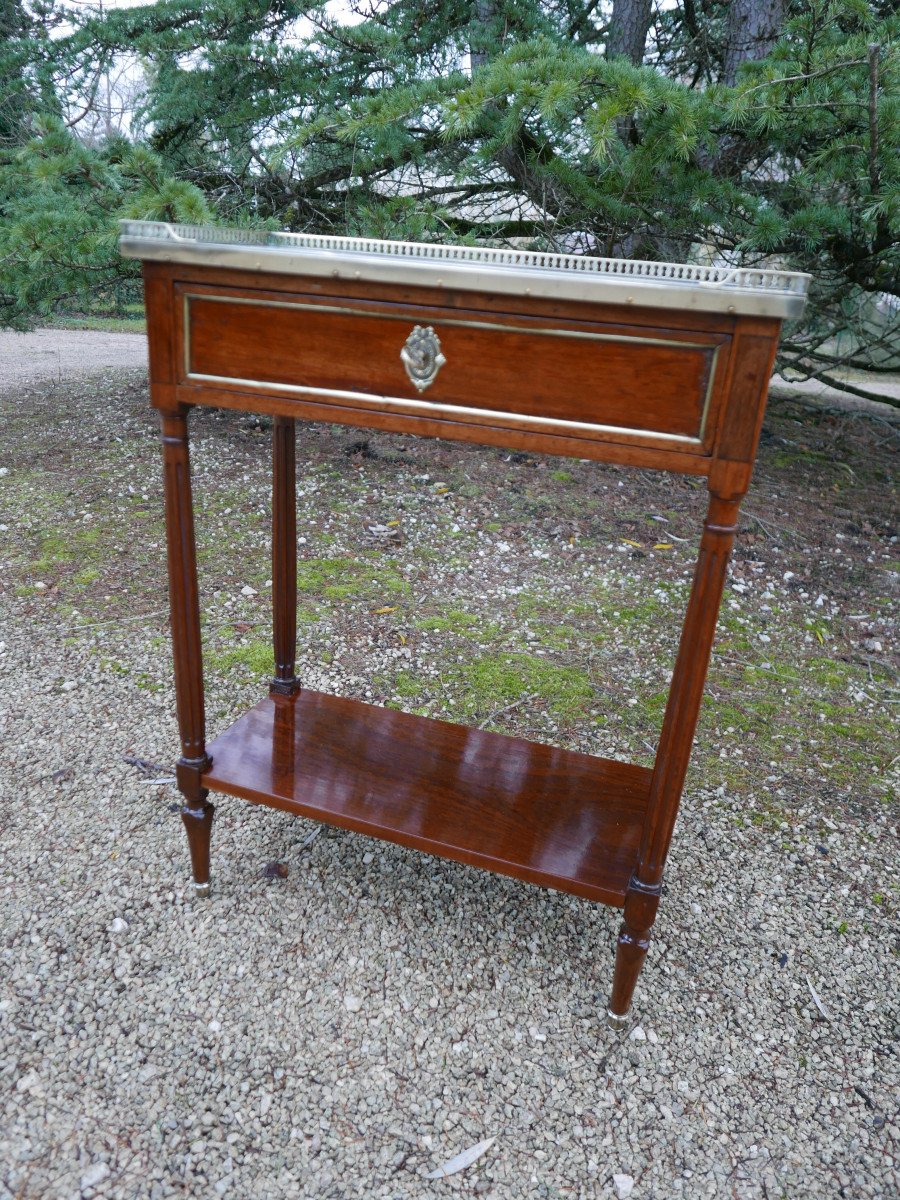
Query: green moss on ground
[454, 620]
[494, 681]
[341, 579]
[256, 657]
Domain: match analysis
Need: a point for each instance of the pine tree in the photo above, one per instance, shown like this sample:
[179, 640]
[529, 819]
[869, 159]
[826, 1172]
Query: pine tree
[59, 212]
[763, 130]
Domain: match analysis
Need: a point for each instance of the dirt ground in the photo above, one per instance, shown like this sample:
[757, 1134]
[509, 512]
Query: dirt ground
[541, 598]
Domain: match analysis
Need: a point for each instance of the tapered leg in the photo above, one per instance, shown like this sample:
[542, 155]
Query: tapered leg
[641, 903]
[676, 741]
[284, 556]
[197, 812]
[198, 823]
[686, 692]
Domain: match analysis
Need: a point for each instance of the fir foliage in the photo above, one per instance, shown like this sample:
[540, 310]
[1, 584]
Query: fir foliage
[58, 224]
[486, 120]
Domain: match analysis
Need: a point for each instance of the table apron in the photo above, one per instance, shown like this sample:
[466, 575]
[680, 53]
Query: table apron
[569, 380]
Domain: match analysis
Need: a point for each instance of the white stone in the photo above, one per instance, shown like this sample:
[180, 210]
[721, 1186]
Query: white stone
[95, 1174]
[352, 1003]
[637, 1034]
[247, 590]
[119, 925]
[624, 1185]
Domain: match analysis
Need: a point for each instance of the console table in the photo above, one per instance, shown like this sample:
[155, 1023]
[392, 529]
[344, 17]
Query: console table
[646, 364]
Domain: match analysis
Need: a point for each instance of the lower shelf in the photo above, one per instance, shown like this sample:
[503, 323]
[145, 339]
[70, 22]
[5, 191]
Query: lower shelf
[548, 816]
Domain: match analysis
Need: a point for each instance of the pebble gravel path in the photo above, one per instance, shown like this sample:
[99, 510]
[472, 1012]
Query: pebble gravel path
[55, 354]
[345, 1030]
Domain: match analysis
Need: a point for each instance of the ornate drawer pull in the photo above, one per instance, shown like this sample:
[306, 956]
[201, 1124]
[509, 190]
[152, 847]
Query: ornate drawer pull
[421, 356]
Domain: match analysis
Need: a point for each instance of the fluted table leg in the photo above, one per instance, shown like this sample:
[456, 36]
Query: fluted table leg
[284, 556]
[673, 755]
[196, 812]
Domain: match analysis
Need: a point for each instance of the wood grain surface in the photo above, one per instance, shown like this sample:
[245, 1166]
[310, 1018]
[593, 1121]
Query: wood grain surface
[549, 816]
[586, 372]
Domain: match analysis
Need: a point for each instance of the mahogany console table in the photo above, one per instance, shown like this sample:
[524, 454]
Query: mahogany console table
[646, 364]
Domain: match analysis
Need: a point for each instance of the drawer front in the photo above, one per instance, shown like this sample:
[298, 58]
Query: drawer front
[576, 378]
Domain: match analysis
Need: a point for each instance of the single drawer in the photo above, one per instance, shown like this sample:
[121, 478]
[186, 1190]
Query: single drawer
[586, 379]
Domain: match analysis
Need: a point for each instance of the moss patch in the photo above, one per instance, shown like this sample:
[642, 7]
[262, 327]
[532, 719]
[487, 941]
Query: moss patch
[86, 577]
[55, 550]
[454, 620]
[256, 657]
[349, 578]
[495, 680]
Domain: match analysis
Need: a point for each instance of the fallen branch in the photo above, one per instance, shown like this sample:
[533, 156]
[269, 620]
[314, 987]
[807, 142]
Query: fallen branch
[509, 707]
[150, 769]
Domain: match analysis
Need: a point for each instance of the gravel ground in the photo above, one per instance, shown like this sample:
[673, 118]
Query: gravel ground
[57, 354]
[344, 1030]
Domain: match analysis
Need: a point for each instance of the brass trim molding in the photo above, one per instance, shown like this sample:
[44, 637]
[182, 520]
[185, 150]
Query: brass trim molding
[442, 411]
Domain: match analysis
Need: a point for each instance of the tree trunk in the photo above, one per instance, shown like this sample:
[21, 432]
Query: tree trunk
[628, 28]
[14, 93]
[484, 13]
[516, 158]
[754, 27]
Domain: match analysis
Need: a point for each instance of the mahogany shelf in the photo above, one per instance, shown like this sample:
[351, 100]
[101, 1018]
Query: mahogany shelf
[552, 817]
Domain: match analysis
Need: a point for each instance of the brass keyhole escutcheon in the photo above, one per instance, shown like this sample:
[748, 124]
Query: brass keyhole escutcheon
[421, 356]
